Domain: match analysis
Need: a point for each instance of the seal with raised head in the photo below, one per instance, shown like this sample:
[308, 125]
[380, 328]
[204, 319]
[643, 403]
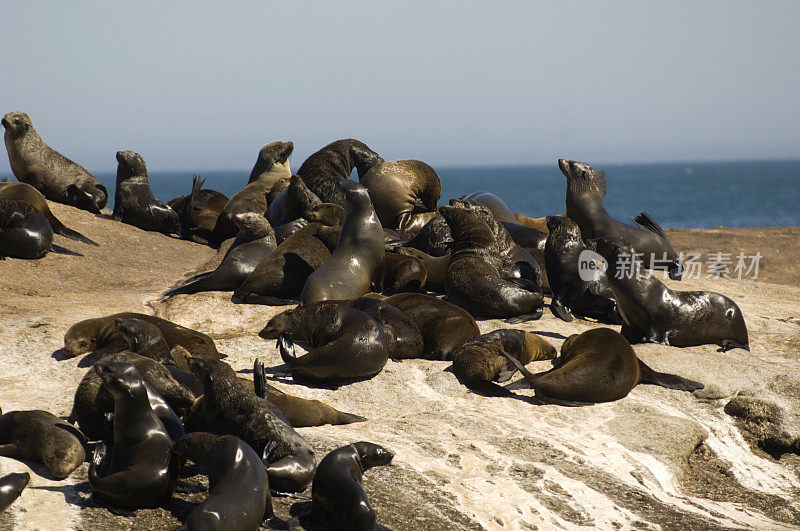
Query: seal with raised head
[292, 203]
[24, 231]
[42, 437]
[586, 189]
[134, 202]
[272, 164]
[141, 470]
[54, 175]
[11, 487]
[323, 169]
[337, 491]
[228, 408]
[598, 365]
[653, 313]
[479, 362]
[198, 211]
[238, 486]
[356, 263]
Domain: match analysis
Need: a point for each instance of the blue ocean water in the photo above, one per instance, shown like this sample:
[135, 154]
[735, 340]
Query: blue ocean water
[677, 195]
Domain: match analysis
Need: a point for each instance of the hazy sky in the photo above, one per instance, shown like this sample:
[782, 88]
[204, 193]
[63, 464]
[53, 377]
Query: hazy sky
[203, 85]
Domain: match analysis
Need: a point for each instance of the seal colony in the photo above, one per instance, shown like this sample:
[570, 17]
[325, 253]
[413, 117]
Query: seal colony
[368, 263]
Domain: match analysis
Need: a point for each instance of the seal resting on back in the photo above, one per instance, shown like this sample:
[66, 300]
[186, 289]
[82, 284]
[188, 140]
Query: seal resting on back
[134, 202]
[54, 175]
[598, 365]
[653, 313]
[323, 169]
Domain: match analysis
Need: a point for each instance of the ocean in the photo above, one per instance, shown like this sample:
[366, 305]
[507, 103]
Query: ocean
[677, 195]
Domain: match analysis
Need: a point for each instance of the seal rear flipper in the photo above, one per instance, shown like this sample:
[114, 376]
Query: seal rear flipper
[507, 370]
[670, 381]
[59, 228]
[526, 317]
[349, 418]
[531, 378]
[560, 311]
[260, 379]
[487, 388]
[519, 384]
[194, 285]
[645, 221]
[63, 250]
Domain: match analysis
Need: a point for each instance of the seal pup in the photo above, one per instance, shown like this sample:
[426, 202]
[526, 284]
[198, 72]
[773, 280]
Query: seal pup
[238, 487]
[480, 362]
[24, 231]
[198, 211]
[357, 261]
[598, 365]
[398, 188]
[292, 203]
[653, 313]
[433, 238]
[586, 189]
[41, 437]
[141, 471]
[134, 202]
[435, 268]
[11, 487]
[54, 175]
[228, 408]
[323, 169]
[402, 273]
[254, 241]
[29, 194]
[473, 278]
[337, 491]
[272, 164]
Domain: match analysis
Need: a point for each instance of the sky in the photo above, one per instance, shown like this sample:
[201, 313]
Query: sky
[203, 85]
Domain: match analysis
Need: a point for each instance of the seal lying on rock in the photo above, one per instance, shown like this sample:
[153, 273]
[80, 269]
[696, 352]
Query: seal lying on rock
[134, 202]
[323, 169]
[11, 487]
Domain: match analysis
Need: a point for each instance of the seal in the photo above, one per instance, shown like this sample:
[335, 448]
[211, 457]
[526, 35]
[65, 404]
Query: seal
[11, 487]
[433, 238]
[401, 188]
[198, 211]
[586, 189]
[93, 334]
[42, 437]
[24, 231]
[273, 164]
[526, 237]
[253, 243]
[598, 365]
[435, 268]
[480, 362]
[444, 326]
[238, 487]
[54, 175]
[405, 338]
[140, 472]
[356, 263]
[228, 408]
[29, 194]
[497, 206]
[539, 224]
[653, 313]
[402, 273]
[292, 203]
[134, 202]
[323, 169]
[337, 492]
[473, 277]
[347, 344]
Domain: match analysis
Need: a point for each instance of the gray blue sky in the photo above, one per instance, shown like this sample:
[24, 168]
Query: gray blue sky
[203, 85]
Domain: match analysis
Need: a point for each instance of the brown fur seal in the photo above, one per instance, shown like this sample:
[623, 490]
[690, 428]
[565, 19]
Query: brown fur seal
[405, 338]
[497, 206]
[586, 189]
[656, 314]
[229, 408]
[292, 203]
[398, 187]
[323, 169]
[474, 279]
[134, 202]
[54, 175]
[435, 267]
[433, 238]
[337, 491]
[29, 194]
[198, 211]
[402, 273]
[24, 231]
[539, 224]
[42, 437]
[479, 362]
[356, 263]
[272, 164]
[598, 365]
[444, 326]
[93, 334]
[11, 487]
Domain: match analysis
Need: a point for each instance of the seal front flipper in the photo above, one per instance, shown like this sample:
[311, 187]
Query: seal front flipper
[560, 311]
[260, 379]
[526, 317]
[59, 228]
[508, 369]
[670, 381]
[531, 378]
[286, 347]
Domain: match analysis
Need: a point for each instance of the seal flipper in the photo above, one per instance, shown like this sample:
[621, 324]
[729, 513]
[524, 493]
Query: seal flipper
[59, 228]
[645, 221]
[260, 379]
[507, 370]
[266, 300]
[560, 311]
[526, 317]
[489, 389]
[531, 378]
[63, 250]
[670, 381]
[286, 347]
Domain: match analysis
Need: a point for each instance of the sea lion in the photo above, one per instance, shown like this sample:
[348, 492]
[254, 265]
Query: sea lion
[405, 338]
[140, 472]
[402, 273]
[398, 187]
[228, 408]
[254, 241]
[337, 491]
[433, 238]
[444, 326]
[435, 267]
[357, 261]
[598, 365]
[93, 334]
[273, 165]
[586, 189]
[24, 231]
[29, 194]
[653, 313]
[562, 254]
[474, 281]
[54, 175]
[478, 363]
[347, 344]
[323, 169]
[134, 202]
[238, 487]
[198, 211]
[42, 437]
[11, 487]
[292, 203]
